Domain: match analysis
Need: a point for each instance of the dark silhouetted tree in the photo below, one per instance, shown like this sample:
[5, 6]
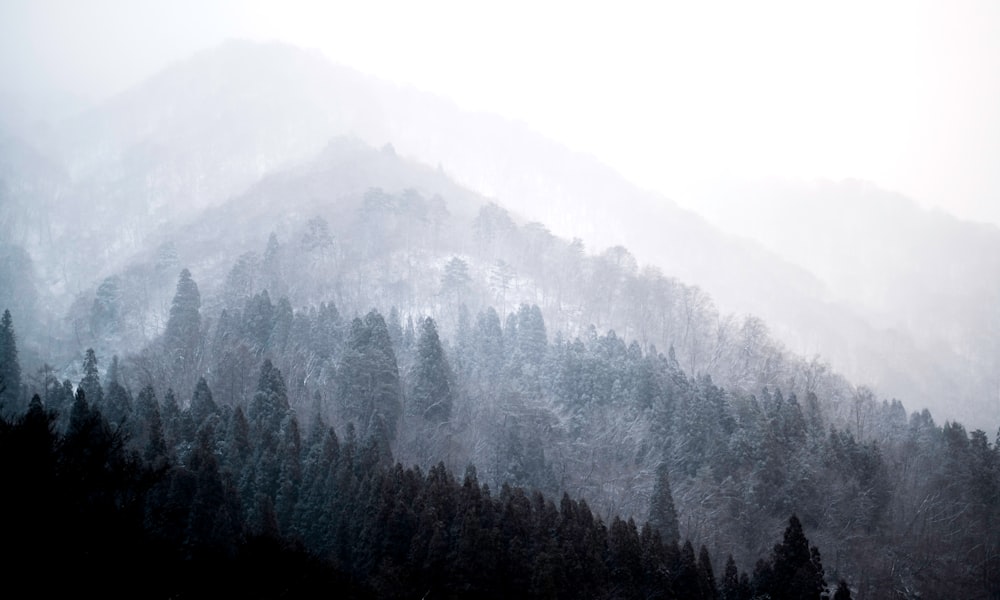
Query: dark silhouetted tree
[202, 404]
[10, 367]
[843, 591]
[91, 382]
[797, 572]
[662, 513]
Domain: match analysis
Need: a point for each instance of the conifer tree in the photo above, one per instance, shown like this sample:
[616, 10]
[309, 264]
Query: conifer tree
[662, 513]
[118, 405]
[706, 576]
[182, 337]
[432, 397]
[91, 382]
[730, 581]
[147, 429]
[10, 368]
[368, 386]
[797, 570]
[202, 404]
[843, 591]
[173, 426]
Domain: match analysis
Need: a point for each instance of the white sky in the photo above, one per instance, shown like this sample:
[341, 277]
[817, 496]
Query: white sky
[903, 93]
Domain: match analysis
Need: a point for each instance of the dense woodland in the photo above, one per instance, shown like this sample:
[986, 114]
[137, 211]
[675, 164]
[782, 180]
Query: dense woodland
[244, 355]
[328, 446]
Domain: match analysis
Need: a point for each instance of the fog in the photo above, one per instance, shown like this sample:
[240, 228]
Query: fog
[720, 108]
[272, 275]
[902, 94]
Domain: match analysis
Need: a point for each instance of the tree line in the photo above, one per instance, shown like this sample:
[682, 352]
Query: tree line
[901, 504]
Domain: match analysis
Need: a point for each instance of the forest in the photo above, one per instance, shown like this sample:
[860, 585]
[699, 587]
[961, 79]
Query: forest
[274, 327]
[251, 444]
[210, 499]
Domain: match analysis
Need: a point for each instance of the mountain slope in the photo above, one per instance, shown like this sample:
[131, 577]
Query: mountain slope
[922, 273]
[209, 127]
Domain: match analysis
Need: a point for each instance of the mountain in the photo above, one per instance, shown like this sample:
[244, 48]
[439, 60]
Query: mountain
[207, 128]
[313, 306]
[927, 276]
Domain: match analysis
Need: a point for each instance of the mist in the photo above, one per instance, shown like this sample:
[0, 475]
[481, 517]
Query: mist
[725, 271]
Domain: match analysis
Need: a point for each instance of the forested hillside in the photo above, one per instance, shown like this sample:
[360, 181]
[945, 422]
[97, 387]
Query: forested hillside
[899, 504]
[81, 198]
[244, 356]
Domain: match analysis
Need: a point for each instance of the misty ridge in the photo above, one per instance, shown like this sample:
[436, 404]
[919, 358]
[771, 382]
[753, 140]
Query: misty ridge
[286, 303]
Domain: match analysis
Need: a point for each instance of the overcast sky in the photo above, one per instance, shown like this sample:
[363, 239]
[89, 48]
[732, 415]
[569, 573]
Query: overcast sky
[902, 93]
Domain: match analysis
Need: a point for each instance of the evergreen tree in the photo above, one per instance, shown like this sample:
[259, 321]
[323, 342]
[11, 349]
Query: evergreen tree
[290, 475]
[687, 580]
[173, 426]
[843, 591]
[797, 570]
[662, 513]
[91, 382]
[118, 404]
[455, 282]
[147, 429]
[489, 347]
[10, 368]
[182, 337]
[105, 314]
[238, 450]
[214, 517]
[431, 397]
[368, 386]
[269, 406]
[706, 576]
[532, 342]
[731, 581]
[202, 404]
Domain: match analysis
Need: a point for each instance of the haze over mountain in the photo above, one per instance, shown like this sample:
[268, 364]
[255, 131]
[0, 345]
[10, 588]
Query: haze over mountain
[346, 291]
[207, 127]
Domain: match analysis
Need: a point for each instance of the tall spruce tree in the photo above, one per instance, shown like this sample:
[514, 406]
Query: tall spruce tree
[118, 405]
[368, 386]
[662, 512]
[797, 570]
[202, 404]
[91, 382]
[10, 368]
[182, 338]
[432, 397]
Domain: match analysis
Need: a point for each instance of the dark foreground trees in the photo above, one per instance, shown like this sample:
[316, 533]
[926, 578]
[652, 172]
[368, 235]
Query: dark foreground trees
[86, 505]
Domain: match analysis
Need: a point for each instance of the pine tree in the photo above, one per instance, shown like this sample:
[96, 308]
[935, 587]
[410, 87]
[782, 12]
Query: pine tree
[147, 429]
[706, 576]
[368, 386]
[431, 397]
[105, 314]
[730, 581]
[173, 426]
[118, 405]
[843, 591]
[290, 475]
[91, 382]
[269, 406]
[662, 513]
[202, 404]
[687, 582]
[182, 337]
[10, 368]
[797, 570]
[489, 346]
[456, 281]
